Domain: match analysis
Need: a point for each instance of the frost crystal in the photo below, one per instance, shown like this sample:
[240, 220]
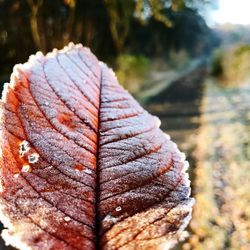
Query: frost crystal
[78, 122]
[26, 168]
[109, 218]
[118, 209]
[87, 171]
[16, 176]
[33, 158]
[67, 218]
[24, 148]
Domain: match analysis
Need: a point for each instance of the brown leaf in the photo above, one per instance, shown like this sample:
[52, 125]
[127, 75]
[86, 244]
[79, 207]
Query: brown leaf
[83, 165]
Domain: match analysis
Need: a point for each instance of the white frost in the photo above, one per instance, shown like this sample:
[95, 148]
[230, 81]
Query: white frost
[26, 168]
[87, 171]
[24, 148]
[118, 209]
[67, 218]
[33, 158]
[16, 176]
[109, 218]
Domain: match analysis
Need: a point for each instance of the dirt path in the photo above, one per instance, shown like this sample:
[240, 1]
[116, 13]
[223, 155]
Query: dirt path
[212, 126]
[221, 218]
[178, 107]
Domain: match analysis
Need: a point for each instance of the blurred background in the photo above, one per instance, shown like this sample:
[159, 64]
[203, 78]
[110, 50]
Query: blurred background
[186, 61]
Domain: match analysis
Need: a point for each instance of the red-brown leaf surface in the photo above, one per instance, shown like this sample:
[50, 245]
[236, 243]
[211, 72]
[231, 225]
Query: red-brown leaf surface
[83, 166]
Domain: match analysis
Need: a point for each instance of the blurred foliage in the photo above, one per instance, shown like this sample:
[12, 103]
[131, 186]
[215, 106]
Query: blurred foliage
[120, 15]
[232, 65]
[178, 59]
[131, 69]
[138, 73]
[110, 27]
[242, 49]
[216, 65]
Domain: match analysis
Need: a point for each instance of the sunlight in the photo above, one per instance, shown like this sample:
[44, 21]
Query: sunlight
[232, 11]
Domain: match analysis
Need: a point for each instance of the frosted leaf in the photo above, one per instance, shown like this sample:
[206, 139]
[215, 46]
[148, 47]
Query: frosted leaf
[95, 153]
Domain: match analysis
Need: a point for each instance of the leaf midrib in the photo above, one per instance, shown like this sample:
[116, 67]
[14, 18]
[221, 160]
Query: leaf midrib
[97, 182]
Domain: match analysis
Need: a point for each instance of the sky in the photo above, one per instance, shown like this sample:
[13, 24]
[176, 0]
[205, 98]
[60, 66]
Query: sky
[232, 11]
